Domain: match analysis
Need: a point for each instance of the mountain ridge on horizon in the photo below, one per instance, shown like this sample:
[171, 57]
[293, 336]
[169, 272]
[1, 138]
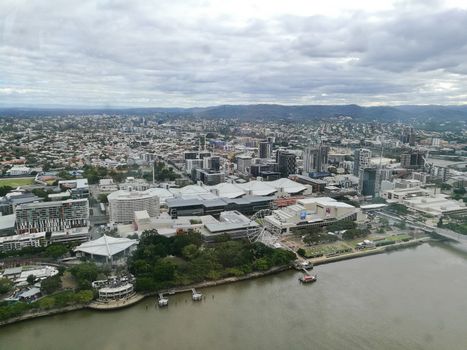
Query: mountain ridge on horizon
[262, 111]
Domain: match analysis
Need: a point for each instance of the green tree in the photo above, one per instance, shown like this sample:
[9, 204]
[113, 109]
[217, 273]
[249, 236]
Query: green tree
[51, 284]
[5, 285]
[164, 270]
[401, 225]
[39, 192]
[56, 250]
[261, 264]
[65, 175]
[190, 251]
[84, 274]
[31, 279]
[440, 222]
[46, 303]
[398, 208]
[84, 296]
[103, 198]
[4, 190]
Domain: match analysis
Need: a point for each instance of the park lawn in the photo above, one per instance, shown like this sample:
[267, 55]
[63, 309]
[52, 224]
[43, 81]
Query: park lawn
[15, 182]
[326, 249]
[399, 237]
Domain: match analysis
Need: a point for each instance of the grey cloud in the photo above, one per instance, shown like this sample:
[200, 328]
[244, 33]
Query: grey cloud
[124, 53]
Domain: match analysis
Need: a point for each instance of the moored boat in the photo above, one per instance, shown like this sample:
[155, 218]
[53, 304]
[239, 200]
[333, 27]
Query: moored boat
[308, 278]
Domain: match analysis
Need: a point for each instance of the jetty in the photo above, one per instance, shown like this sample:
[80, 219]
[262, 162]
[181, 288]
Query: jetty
[195, 295]
[162, 301]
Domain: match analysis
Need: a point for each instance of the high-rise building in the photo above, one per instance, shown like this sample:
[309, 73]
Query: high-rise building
[123, 204]
[265, 149]
[57, 216]
[212, 163]
[190, 155]
[369, 181]
[315, 158]
[362, 158]
[201, 143]
[287, 163]
[243, 163]
[210, 177]
[413, 160]
[408, 136]
[204, 154]
[191, 164]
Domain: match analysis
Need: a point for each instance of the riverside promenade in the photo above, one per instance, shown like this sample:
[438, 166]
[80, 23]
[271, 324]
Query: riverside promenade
[135, 298]
[119, 304]
[362, 253]
[43, 313]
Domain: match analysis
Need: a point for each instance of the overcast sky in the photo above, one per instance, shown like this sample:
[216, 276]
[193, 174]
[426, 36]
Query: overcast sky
[206, 52]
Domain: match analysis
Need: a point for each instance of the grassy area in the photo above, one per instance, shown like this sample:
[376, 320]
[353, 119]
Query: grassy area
[398, 238]
[15, 182]
[327, 249]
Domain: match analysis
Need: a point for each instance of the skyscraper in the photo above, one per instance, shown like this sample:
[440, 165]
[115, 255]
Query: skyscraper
[243, 163]
[287, 163]
[408, 136]
[413, 159]
[361, 160]
[369, 181]
[265, 149]
[315, 158]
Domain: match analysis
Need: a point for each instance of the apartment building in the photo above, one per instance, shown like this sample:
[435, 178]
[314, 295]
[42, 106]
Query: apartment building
[58, 216]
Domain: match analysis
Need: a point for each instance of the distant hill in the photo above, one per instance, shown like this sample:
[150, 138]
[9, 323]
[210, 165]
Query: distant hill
[269, 112]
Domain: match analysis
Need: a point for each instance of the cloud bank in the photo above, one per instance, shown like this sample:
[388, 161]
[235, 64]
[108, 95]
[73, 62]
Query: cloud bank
[197, 53]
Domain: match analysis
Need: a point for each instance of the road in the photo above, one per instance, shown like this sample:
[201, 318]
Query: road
[438, 230]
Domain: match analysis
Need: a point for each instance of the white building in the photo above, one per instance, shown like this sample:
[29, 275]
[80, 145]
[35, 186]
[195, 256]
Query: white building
[134, 184]
[123, 204]
[18, 170]
[436, 205]
[244, 163]
[398, 195]
[107, 248]
[107, 186]
[17, 242]
[319, 211]
[361, 160]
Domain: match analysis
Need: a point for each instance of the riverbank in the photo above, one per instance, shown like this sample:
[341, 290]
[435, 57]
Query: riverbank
[100, 306]
[367, 252]
[43, 313]
[120, 304]
[356, 304]
[115, 305]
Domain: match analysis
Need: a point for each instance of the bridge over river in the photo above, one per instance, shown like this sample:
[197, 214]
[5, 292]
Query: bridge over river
[428, 229]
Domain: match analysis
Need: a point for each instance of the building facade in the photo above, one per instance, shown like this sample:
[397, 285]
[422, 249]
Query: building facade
[58, 216]
[369, 182]
[362, 158]
[265, 149]
[123, 204]
[315, 158]
[287, 163]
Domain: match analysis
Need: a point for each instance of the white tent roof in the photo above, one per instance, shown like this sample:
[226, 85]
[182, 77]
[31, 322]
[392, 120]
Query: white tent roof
[106, 246]
[162, 193]
[288, 185]
[193, 191]
[229, 190]
[258, 188]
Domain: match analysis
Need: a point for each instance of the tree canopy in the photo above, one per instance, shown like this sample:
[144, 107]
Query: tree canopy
[162, 262]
